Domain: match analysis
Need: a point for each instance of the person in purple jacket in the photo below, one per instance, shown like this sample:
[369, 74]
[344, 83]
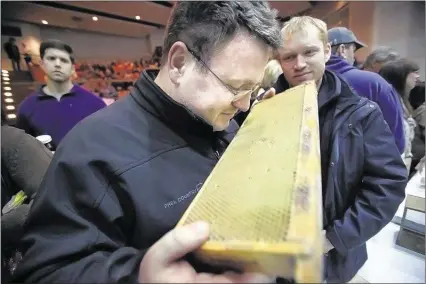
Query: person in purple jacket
[55, 108]
[367, 84]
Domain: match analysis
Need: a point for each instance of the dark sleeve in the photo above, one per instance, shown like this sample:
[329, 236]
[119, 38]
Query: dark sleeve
[381, 191]
[25, 158]
[76, 231]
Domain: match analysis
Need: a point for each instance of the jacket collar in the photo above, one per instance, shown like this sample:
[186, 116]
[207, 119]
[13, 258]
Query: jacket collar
[176, 116]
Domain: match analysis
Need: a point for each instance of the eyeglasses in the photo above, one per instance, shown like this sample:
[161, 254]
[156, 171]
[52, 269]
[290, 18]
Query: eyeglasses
[237, 94]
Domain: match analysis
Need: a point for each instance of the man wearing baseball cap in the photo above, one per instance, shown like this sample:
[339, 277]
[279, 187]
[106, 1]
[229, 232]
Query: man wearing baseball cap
[367, 84]
[344, 43]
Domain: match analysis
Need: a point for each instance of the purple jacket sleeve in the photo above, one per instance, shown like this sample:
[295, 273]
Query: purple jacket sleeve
[391, 108]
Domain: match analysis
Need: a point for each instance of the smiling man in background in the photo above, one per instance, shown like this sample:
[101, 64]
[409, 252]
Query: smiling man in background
[55, 108]
[363, 176]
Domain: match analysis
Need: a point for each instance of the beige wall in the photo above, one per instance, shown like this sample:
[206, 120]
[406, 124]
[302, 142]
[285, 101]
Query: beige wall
[399, 24]
[361, 21]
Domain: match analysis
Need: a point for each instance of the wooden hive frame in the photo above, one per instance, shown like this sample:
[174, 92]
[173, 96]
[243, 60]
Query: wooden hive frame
[263, 199]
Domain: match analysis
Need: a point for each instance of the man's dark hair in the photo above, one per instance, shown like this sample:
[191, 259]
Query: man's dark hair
[56, 44]
[396, 72]
[205, 26]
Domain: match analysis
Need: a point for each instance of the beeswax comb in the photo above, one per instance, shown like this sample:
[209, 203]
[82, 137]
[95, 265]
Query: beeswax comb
[263, 199]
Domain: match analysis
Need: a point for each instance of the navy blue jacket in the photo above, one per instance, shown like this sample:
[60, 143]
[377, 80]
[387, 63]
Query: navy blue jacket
[373, 87]
[119, 181]
[366, 177]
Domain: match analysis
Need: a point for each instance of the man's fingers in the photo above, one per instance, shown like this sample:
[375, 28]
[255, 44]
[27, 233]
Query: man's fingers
[269, 94]
[263, 96]
[177, 243]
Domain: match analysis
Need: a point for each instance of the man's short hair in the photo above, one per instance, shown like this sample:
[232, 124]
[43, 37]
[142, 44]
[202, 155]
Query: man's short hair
[205, 26]
[56, 44]
[302, 23]
[381, 55]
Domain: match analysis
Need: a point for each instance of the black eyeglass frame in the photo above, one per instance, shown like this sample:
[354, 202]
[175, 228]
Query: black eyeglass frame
[237, 94]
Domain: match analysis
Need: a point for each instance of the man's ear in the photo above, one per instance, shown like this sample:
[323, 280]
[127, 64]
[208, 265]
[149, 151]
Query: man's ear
[341, 51]
[177, 61]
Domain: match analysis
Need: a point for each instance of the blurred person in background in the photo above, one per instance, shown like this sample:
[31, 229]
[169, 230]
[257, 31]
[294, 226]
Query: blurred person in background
[367, 84]
[108, 93]
[102, 214]
[12, 51]
[363, 176]
[380, 56]
[27, 56]
[272, 72]
[403, 75]
[55, 108]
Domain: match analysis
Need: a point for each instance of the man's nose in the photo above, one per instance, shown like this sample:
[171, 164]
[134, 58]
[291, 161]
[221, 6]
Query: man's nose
[57, 62]
[300, 62]
[242, 104]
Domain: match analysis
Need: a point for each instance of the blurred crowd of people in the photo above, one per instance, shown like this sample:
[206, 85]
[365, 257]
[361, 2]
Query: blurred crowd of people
[112, 79]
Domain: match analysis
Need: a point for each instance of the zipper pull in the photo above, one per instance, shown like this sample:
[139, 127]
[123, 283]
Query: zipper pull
[217, 154]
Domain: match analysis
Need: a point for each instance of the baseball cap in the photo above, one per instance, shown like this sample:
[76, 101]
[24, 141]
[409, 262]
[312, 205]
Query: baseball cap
[342, 35]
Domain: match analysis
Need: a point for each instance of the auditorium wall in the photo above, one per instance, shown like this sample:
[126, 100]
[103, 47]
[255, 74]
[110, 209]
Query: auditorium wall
[156, 38]
[93, 46]
[86, 45]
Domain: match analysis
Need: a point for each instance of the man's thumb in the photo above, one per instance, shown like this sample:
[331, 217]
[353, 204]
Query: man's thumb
[178, 242]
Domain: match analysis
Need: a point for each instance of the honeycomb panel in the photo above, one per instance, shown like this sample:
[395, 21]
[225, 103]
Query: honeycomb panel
[236, 207]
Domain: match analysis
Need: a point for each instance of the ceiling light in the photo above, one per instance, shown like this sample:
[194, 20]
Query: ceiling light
[7, 88]
[6, 83]
[9, 100]
[6, 75]
[10, 107]
[4, 71]
[6, 79]
[11, 116]
[138, 17]
[7, 94]
[44, 22]
[95, 18]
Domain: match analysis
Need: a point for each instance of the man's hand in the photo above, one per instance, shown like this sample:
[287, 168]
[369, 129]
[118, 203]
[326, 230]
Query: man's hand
[327, 245]
[261, 96]
[163, 264]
